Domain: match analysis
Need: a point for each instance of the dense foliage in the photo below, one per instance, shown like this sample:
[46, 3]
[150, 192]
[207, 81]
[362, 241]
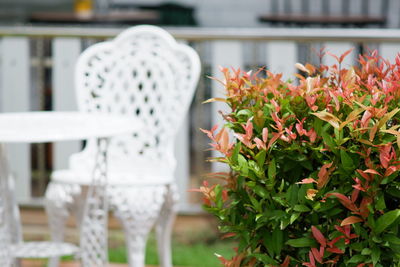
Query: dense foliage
[315, 166]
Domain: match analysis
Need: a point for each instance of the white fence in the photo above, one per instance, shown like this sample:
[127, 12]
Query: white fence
[28, 54]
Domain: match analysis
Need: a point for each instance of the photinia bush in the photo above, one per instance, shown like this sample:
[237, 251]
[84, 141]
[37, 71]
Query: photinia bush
[314, 166]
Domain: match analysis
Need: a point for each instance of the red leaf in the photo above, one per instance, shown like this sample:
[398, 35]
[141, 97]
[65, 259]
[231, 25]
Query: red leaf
[364, 175]
[384, 155]
[312, 261]
[354, 195]
[227, 235]
[316, 254]
[286, 262]
[335, 250]
[265, 135]
[372, 172]
[318, 236]
[345, 54]
[307, 181]
[351, 220]
[344, 200]
[323, 174]
[273, 139]
[364, 211]
[259, 143]
[333, 242]
[391, 169]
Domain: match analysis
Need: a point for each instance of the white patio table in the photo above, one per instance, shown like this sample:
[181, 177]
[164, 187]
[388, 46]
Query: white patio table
[40, 127]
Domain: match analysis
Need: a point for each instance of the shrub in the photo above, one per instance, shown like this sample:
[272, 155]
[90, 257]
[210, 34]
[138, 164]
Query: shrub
[314, 166]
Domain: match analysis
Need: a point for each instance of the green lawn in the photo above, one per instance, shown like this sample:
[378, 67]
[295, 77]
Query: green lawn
[194, 251]
[193, 254]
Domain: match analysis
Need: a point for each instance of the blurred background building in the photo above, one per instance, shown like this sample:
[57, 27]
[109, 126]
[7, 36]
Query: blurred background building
[209, 13]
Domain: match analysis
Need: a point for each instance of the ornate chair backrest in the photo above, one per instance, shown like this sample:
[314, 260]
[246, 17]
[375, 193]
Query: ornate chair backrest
[142, 73]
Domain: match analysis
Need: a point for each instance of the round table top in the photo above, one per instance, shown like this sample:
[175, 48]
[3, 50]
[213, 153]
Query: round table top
[51, 126]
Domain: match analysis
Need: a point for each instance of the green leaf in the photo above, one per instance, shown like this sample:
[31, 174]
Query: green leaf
[244, 169]
[272, 170]
[255, 203]
[392, 239]
[264, 258]
[260, 158]
[366, 251]
[387, 117]
[301, 242]
[268, 243]
[261, 191]
[380, 203]
[218, 195]
[386, 220]
[280, 200]
[277, 240]
[235, 153]
[393, 192]
[255, 168]
[301, 208]
[293, 194]
[284, 223]
[376, 254]
[318, 126]
[346, 160]
[377, 239]
[328, 140]
[294, 217]
[244, 112]
[357, 259]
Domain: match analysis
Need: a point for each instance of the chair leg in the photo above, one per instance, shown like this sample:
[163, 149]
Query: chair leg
[58, 197]
[164, 226]
[138, 210]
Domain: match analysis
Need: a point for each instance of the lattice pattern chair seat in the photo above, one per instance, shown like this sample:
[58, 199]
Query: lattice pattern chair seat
[146, 74]
[42, 249]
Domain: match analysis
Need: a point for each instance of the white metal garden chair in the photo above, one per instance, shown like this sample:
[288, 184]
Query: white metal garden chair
[145, 73]
[12, 246]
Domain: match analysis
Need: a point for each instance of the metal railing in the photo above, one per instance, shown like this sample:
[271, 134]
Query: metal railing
[36, 73]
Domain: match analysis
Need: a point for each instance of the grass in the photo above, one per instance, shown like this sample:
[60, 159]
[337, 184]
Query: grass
[197, 250]
[194, 254]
